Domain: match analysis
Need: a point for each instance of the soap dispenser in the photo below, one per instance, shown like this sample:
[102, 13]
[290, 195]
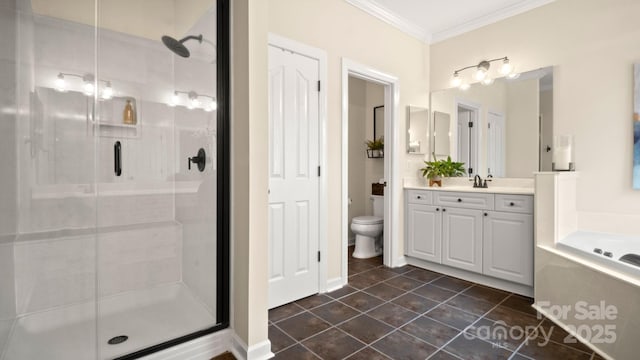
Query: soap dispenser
[129, 114]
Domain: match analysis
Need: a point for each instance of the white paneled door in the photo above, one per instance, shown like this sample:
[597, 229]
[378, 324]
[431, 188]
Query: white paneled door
[293, 176]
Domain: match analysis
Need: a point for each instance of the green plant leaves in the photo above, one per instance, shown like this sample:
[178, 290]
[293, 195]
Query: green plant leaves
[444, 168]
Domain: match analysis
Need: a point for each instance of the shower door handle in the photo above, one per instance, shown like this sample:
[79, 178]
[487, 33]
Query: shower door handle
[117, 158]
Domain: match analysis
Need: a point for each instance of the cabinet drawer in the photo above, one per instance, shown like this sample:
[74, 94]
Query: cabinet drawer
[420, 197]
[514, 203]
[464, 200]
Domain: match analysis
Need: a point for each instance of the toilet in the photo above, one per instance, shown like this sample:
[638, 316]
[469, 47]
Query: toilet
[368, 230]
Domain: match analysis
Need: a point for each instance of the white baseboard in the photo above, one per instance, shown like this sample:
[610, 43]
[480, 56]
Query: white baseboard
[259, 351]
[400, 262]
[335, 284]
[202, 348]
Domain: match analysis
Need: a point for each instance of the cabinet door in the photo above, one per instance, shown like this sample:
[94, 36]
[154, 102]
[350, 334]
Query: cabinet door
[424, 227]
[508, 246]
[462, 238]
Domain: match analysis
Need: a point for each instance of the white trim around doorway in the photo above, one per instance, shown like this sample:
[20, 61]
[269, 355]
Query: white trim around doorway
[321, 56]
[391, 167]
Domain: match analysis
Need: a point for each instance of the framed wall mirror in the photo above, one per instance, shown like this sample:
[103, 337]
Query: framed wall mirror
[417, 130]
[378, 122]
[504, 129]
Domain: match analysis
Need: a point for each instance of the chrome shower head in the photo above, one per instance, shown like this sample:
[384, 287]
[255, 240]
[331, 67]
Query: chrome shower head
[177, 46]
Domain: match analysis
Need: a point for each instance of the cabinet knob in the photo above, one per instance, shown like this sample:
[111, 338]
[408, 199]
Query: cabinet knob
[437, 209]
[511, 204]
[419, 197]
[443, 210]
[486, 214]
[459, 200]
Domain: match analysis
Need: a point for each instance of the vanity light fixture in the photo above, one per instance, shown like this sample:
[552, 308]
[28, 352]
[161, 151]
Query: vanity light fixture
[88, 84]
[482, 73]
[193, 100]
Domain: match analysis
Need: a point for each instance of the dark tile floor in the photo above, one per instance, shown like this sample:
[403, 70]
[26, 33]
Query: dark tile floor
[410, 313]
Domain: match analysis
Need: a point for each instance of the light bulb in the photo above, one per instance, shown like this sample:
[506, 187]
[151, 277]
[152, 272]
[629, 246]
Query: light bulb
[193, 100]
[107, 92]
[487, 81]
[88, 88]
[61, 85]
[506, 67]
[174, 100]
[480, 75]
[464, 86]
[513, 75]
[456, 81]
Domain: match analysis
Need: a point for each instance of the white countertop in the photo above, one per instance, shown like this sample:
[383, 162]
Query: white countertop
[496, 186]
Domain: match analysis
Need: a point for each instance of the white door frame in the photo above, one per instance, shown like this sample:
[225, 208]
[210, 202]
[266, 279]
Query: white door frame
[320, 55]
[391, 138]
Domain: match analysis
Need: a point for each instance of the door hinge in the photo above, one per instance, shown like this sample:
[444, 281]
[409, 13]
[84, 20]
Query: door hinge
[318, 256]
[489, 126]
[470, 124]
[318, 85]
[318, 171]
[488, 170]
[470, 171]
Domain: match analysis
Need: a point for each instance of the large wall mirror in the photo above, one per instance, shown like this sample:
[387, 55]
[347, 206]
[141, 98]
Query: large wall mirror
[504, 129]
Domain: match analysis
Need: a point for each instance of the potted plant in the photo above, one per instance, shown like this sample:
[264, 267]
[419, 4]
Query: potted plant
[437, 169]
[375, 148]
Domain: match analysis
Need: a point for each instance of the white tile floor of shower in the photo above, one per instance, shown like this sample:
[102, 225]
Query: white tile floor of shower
[148, 317]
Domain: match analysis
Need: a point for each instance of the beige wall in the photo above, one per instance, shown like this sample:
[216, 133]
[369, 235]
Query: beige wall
[345, 31]
[249, 142]
[592, 44]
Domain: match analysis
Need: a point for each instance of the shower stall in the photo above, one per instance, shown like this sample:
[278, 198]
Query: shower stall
[113, 176]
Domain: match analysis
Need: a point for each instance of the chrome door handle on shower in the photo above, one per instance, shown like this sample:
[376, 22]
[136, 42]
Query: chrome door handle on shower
[117, 158]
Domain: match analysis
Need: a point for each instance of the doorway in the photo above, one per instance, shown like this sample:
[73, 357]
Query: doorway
[467, 120]
[496, 144]
[351, 69]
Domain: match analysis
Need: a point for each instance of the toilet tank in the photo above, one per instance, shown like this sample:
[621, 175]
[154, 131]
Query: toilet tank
[378, 205]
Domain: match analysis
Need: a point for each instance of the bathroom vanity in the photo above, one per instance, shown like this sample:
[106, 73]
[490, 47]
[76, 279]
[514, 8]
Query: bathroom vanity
[481, 235]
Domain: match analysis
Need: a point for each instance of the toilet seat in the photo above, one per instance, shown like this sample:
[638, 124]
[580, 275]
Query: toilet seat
[367, 220]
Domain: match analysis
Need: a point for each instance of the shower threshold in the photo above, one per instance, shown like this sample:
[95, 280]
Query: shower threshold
[146, 317]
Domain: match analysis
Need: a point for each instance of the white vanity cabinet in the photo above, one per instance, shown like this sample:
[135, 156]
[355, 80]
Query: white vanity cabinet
[462, 238]
[508, 239]
[424, 227]
[482, 233]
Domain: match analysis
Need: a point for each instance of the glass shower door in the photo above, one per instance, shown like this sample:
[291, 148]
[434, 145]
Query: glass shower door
[156, 173]
[49, 264]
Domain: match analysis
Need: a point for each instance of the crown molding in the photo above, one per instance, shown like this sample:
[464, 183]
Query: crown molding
[491, 18]
[392, 19]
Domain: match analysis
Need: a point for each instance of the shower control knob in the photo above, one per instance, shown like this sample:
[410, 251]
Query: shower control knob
[608, 254]
[200, 160]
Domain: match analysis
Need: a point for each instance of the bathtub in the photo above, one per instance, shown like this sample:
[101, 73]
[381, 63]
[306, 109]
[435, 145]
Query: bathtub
[594, 246]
